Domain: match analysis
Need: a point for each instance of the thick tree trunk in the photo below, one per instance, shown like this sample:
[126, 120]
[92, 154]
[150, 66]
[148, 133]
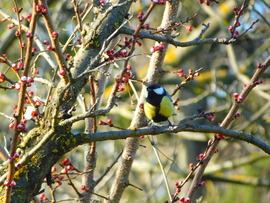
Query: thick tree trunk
[132, 144]
[48, 142]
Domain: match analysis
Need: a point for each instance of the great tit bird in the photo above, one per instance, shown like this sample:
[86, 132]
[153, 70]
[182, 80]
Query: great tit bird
[158, 105]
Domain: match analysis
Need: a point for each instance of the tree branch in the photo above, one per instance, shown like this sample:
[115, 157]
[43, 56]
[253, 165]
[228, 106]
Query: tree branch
[123, 134]
[170, 40]
[227, 120]
[155, 68]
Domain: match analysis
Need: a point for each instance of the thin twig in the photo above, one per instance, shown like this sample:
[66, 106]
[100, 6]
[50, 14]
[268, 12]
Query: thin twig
[78, 16]
[3, 154]
[227, 120]
[55, 43]
[72, 185]
[152, 141]
[108, 168]
[35, 37]
[76, 29]
[169, 40]
[5, 115]
[21, 100]
[187, 79]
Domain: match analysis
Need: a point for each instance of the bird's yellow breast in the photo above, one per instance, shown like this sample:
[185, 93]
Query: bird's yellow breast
[150, 110]
[166, 107]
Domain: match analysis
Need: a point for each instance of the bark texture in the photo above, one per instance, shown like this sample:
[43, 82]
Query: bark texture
[132, 144]
[47, 143]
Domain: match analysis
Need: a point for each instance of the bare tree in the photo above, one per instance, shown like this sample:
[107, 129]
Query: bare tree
[60, 84]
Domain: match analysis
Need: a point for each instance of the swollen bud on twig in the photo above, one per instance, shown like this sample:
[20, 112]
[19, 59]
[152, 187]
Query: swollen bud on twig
[53, 169]
[259, 81]
[140, 16]
[189, 28]
[62, 72]
[2, 77]
[201, 1]
[191, 166]
[28, 35]
[219, 136]
[66, 162]
[101, 122]
[42, 196]
[240, 99]
[109, 121]
[83, 188]
[235, 95]
[54, 34]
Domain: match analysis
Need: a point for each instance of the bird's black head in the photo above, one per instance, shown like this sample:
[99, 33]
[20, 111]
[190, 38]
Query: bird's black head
[155, 94]
[156, 89]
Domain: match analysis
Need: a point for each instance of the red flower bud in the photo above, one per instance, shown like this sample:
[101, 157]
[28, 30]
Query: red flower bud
[12, 183]
[11, 126]
[235, 95]
[109, 121]
[10, 26]
[146, 26]
[235, 9]
[49, 47]
[54, 34]
[64, 170]
[53, 169]
[18, 86]
[2, 77]
[6, 183]
[68, 56]
[34, 49]
[219, 136]
[201, 1]
[42, 196]
[28, 17]
[83, 187]
[28, 35]
[230, 28]
[201, 156]
[191, 166]
[236, 34]
[101, 122]
[129, 67]
[21, 127]
[140, 16]
[240, 99]
[189, 28]
[70, 167]
[66, 162]
[260, 81]
[62, 72]
[79, 40]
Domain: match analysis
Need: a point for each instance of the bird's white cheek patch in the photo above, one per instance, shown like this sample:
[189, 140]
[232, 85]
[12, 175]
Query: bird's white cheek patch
[159, 90]
[146, 95]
